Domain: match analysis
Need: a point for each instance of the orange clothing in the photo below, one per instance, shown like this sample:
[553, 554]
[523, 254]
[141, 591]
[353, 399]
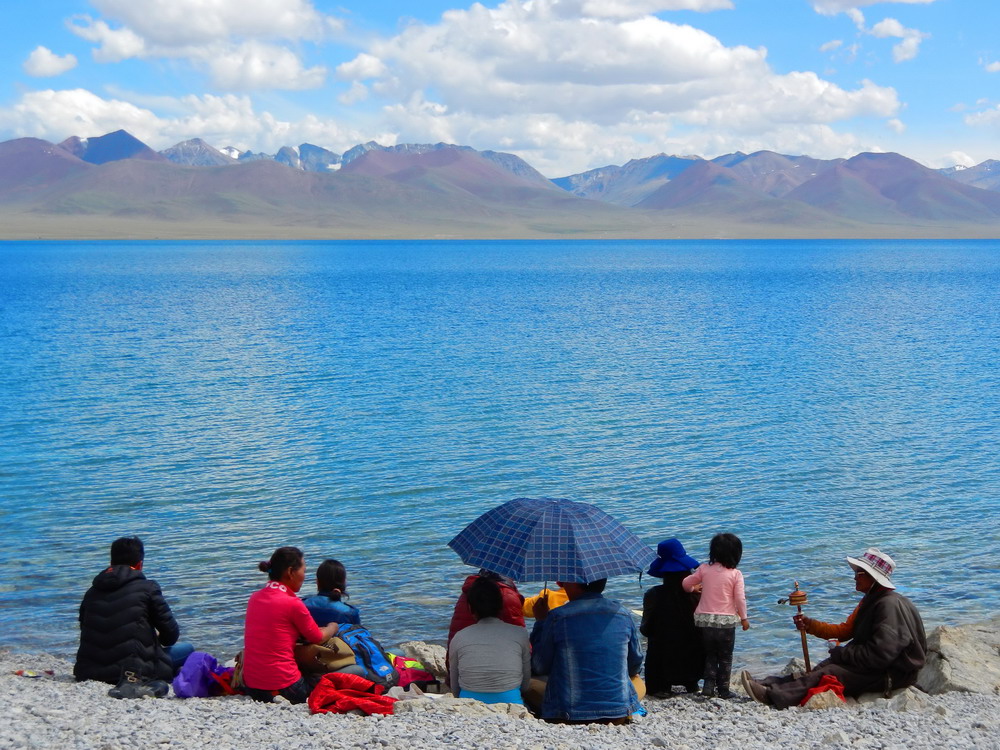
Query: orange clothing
[557, 598]
[842, 632]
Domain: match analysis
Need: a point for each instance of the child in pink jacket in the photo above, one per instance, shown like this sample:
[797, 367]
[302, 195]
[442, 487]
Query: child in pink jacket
[723, 604]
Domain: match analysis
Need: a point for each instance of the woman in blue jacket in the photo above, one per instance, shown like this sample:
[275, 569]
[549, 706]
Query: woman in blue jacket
[327, 605]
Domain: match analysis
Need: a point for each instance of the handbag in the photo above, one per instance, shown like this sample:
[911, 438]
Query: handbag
[319, 658]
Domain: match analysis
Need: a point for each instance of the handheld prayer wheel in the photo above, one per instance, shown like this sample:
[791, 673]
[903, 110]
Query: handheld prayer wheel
[797, 598]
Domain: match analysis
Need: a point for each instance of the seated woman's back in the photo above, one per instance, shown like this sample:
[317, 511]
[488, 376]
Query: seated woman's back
[490, 660]
[327, 605]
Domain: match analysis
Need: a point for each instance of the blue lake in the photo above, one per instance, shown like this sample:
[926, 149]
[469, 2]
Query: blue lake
[366, 400]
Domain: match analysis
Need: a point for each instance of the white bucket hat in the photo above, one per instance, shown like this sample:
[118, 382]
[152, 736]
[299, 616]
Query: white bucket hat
[876, 564]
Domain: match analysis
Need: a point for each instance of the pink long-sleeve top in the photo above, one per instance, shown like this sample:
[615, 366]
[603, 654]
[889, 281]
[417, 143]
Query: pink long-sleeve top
[275, 621]
[722, 590]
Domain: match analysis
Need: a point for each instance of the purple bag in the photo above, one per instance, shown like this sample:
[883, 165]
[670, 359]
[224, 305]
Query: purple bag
[199, 677]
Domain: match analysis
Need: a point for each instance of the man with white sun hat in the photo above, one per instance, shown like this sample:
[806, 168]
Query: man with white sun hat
[886, 642]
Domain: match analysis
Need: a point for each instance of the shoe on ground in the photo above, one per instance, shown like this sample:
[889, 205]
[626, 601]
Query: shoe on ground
[726, 694]
[155, 689]
[132, 685]
[708, 689]
[754, 689]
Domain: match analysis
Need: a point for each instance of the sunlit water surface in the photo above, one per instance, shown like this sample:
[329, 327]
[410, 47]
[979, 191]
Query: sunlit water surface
[367, 400]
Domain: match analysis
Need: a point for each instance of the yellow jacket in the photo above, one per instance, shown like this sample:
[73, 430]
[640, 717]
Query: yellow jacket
[557, 598]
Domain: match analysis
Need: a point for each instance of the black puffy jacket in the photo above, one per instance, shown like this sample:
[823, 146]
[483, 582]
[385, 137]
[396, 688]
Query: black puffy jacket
[124, 624]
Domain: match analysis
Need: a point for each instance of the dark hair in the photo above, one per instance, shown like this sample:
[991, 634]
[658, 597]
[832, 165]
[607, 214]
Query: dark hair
[725, 549]
[127, 550]
[484, 598]
[595, 587]
[284, 558]
[331, 579]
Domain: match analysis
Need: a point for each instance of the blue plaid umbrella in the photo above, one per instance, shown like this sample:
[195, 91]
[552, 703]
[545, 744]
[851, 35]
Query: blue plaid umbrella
[548, 539]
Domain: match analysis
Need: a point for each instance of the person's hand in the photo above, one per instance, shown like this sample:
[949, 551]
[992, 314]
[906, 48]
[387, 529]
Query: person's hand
[745, 623]
[801, 622]
[542, 607]
[329, 631]
[696, 589]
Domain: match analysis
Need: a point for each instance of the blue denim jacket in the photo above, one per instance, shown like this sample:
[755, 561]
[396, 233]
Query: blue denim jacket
[588, 648]
[325, 610]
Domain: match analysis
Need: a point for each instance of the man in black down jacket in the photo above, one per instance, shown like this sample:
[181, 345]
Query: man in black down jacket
[125, 624]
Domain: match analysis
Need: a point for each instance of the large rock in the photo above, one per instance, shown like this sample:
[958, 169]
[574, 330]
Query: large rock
[964, 658]
[430, 655]
[826, 699]
[903, 699]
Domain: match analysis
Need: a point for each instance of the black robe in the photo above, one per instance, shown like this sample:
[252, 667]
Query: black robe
[674, 653]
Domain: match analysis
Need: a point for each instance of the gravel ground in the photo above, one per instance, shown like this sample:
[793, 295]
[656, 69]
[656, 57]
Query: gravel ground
[55, 712]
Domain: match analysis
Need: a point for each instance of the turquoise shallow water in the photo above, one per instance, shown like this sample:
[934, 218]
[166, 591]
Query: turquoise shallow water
[367, 400]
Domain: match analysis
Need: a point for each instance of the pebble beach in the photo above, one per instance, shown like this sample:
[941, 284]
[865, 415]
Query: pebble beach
[53, 711]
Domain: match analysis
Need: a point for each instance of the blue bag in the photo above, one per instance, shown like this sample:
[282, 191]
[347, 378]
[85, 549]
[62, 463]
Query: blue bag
[368, 653]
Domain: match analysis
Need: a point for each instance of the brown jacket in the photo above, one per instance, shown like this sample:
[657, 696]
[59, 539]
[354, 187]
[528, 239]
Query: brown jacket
[888, 637]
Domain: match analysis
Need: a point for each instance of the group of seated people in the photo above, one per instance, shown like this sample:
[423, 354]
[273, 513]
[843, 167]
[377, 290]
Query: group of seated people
[580, 663]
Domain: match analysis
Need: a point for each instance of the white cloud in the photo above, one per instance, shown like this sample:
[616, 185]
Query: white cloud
[906, 49]
[574, 87]
[222, 120]
[254, 65]
[357, 93]
[361, 68]
[114, 45]
[896, 125]
[993, 67]
[180, 23]
[634, 8]
[246, 66]
[957, 159]
[56, 115]
[988, 117]
[833, 7]
[242, 44]
[43, 62]
[857, 17]
[832, 45]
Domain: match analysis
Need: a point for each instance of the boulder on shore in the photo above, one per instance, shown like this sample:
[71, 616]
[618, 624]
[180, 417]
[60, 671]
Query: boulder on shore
[964, 658]
[430, 655]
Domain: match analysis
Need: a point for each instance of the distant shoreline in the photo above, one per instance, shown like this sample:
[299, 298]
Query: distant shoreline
[40, 227]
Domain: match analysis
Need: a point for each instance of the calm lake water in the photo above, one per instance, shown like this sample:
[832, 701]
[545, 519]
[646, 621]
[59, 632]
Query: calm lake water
[366, 400]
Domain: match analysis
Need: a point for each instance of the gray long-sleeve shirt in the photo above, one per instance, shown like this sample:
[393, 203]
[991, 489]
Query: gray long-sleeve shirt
[490, 657]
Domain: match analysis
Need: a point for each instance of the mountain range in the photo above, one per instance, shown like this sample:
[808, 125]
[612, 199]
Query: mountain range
[116, 186]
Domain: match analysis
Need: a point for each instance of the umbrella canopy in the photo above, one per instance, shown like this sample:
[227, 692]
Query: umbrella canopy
[545, 539]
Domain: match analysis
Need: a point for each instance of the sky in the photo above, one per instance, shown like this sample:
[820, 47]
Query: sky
[568, 85]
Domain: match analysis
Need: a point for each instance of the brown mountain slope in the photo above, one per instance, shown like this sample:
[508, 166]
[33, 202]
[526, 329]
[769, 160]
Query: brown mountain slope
[268, 194]
[29, 165]
[890, 187]
[775, 174]
[709, 190]
[456, 171]
[844, 192]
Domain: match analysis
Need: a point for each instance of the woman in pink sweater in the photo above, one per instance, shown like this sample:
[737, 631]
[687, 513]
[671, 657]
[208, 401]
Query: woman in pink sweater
[276, 620]
[723, 604]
